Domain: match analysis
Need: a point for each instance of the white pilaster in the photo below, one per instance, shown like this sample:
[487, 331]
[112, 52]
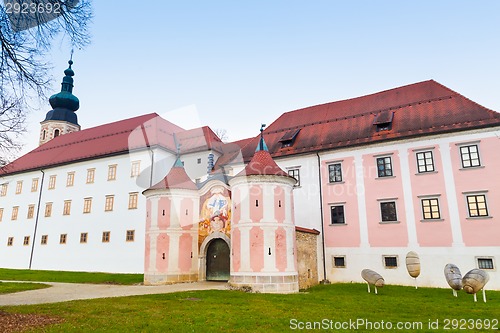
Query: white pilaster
[270, 244]
[451, 194]
[360, 191]
[408, 197]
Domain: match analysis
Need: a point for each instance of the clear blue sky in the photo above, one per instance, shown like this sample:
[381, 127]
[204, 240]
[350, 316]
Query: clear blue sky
[235, 64]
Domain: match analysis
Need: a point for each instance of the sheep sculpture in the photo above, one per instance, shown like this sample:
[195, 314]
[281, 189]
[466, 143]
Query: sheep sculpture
[453, 277]
[372, 277]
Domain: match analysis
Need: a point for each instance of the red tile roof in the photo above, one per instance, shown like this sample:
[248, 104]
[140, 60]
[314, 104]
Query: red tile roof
[262, 164]
[422, 108]
[231, 153]
[196, 139]
[113, 139]
[307, 230]
[176, 178]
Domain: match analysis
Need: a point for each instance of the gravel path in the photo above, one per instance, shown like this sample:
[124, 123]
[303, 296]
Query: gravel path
[63, 292]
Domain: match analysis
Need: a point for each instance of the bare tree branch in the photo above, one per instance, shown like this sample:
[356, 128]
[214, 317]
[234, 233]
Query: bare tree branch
[23, 70]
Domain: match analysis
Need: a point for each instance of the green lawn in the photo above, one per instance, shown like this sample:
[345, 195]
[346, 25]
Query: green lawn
[235, 311]
[74, 277]
[12, 287]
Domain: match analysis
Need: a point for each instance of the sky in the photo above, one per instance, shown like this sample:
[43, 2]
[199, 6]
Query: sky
[236, 64]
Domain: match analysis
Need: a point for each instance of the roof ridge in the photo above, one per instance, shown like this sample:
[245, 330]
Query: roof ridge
[496, 114]
[367, 95]
[363, 113]
[88, 139]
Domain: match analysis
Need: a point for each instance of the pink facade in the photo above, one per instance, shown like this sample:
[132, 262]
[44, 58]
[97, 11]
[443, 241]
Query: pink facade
[170, 239]
[256, 249]
[478, 231]
[430, 185]
[256, 203]
[341, 193]
[379, 190]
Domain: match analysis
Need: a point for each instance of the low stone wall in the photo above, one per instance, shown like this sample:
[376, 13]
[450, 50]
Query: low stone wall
[307, 257]
[282, 284]
[157, 279]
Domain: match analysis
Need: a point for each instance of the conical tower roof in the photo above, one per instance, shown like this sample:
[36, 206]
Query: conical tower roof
[176, 178]
[262, 164]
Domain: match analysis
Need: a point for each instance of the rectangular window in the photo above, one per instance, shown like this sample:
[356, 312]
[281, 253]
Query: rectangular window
[63, 238]
[485, 263]
[90, 176]
[136, 169]
[112, 172]
[384, 166]
[105, 236]
[470, 156]
[337, 214]
[19, 187]
[10, 241]
[3, 190]
[1, 214]
[26, 240]
[83, 237]
[430, 209]
[130, 235]
[48, 209]
[110, 199]
[132, 200]
[335, 173]
[52, 182]
[199, 161]
[477, 205]
[44, 239]
[34, 185]
[339, 261]
[15, 211]
[425, 162]
[31, 211]
[70, 179]
[295, 173]
[87, 205]
[388, 211]
[390, 261]
[67, 207]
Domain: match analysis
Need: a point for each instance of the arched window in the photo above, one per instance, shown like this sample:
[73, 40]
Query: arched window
[43, 134]
[56, 133]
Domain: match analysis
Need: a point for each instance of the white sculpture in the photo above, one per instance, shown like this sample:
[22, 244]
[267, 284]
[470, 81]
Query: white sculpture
[372, 277]
[474, 281]
[453, 277]
[413, 265]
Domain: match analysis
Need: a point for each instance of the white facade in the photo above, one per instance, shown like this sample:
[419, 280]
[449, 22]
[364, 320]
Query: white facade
[95, 254]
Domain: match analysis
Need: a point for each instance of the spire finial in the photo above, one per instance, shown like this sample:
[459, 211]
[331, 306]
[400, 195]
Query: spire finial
[178, 163]
[262, 144]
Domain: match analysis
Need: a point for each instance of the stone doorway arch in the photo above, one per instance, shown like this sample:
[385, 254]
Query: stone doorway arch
[206, 246]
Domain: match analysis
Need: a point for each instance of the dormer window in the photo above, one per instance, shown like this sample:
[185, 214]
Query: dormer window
[383, 121]
[289, 138]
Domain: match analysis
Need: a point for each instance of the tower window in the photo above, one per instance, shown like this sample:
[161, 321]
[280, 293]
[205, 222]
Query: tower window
[56, 133]
[44, 134]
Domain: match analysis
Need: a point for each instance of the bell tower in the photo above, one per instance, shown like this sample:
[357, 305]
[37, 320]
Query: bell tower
[62, 118]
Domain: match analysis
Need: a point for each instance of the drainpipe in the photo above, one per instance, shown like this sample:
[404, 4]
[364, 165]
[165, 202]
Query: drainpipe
[325, 281]
[36, 219]
[152, 166]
